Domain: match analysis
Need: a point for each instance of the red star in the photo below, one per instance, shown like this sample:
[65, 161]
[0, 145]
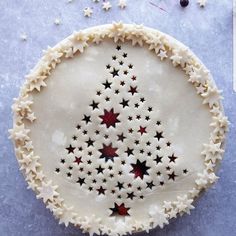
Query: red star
[109, 118]
[142, 130]
[108, 152]
[139, 169]
[120, 210]
[133, 90]
[78, 160]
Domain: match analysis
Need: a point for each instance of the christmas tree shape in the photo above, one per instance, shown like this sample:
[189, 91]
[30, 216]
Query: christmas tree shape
[119, 149]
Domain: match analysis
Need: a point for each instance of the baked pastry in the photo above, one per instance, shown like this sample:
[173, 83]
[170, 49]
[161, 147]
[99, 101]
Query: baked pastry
[118, 128]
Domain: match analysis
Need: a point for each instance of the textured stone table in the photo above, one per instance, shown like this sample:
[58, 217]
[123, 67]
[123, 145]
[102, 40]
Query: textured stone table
[208, 32]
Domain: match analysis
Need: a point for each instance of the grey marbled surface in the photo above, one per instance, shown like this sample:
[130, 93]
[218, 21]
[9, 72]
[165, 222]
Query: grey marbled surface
[208, 32]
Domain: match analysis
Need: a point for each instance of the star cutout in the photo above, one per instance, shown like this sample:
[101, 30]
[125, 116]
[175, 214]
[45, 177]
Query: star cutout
[70, 149]
[121, 137]
[120, 210]
[133, 90]
[142, 130]
[130, 195]
[114, 72]
[118, 48]
[120, 185]
[108, 152]
[94, 105]
[90, 142]
[172, 158]
[100, 169]
[78, 160]
[150, 185]
[107, 84]
[81, 181]
[172, 176]
[139, 169]
[158, 159]
[101, 190]
[87, 119]
[124, 103]
[109, 118]
[129, 151]
[158, 135]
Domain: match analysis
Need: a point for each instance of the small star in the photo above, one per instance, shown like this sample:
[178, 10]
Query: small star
[141, 151]
[147, 118]
[130, 130]
[133, 77]
[158, 135]
[114, 72]
[107, 99]
[125, 72]
[90, 142]
[121, 137]
[74, 137]
[136, 105]
[148, 143]
[85, 132]
[57, 170]
[100, 169]
[70, 149]
[124, 103]
[130, 195]
[106, 6]
[23, 37]
[133, 90]
[78, 160]
[97, 132]
[98, 93]
[172, 158]
[63, 161]
[101, 190]
[57, 21]
[120, 185]
[78, 127]
[81, 181]
[122, 4]
[86, 119]
[150, 185]
[130, 66]
[114, 58]
[158, 123]
[121, 63]
[142, 100]
[68, 174]
[158, 159]
[129, 151]
[158, 148]
[167, 168]
[168, 144]
[142, 130]
[130, 118]
[122, 83]
[172, 176]
[149, 109]
[124, 55]
[88, 12]
[185, 171]
[118, 47]
[136, 142]
[108, 66]
[117, 91]
[138, 117]
[107, 84]
[94, 105]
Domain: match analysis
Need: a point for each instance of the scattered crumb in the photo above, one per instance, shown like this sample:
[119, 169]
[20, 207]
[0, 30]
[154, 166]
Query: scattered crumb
[88, 12]
[57, 21]
[202, 3]
[106, 6]
[122, 4]
[23, 37]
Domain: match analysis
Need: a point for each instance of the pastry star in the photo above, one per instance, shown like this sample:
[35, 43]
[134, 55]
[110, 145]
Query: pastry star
[200, 89]
[47, 191]
[212, 152]
[202, 3]
[28, 145]
[122, 4]
[23, 37]
[79, 42]
[19, 133]
[31, 117]
[211, 96]
[158, 216]
[184, 204]
[91, 225]
[67, 216]
[29, 163]
[88, 12]
[57, 21]
[106, 6]
[162, 54]
[220, 123]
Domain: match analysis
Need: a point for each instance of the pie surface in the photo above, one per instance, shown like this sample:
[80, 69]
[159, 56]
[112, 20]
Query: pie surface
[118, 128]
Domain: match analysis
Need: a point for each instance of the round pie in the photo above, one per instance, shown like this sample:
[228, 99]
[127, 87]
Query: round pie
[118, 128]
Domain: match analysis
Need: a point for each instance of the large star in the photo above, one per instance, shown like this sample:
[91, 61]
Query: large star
[121, 210]
[109, 118]
[108, 152]
[139, 169]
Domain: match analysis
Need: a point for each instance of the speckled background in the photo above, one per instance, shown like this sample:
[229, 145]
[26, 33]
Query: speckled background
[208, 32]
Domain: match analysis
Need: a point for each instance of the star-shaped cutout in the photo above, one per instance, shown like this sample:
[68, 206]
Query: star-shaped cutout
[108, 152]
[158, 135]
[133, 90]
[120, 210]
[124, 103]
[115, 72]
[100, 169]
[150, 185]
[129, 151]
[94, 105]
[109, 118]
[142, 130]
[172, 158]
[172, 176]
[121, 137]
[90, 142]
[107, 84]
[158, 159]
[70, 149]
[139, 169]
[81, 181]
[78, 160]
[86, 119]
[130, 195]
[101, 190]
